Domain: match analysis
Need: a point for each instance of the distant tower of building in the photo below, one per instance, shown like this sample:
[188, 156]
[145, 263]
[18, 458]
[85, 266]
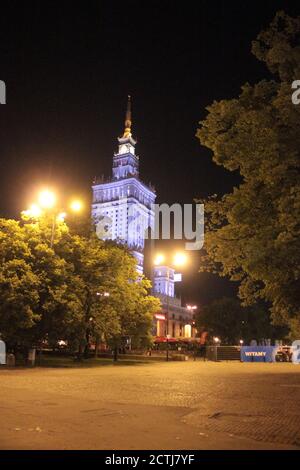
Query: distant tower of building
[164, 280]
[122, 209]
[122, 205]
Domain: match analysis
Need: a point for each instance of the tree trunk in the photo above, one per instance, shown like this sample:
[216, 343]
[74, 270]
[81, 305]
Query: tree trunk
[115, 353]
[96, 347]
[87, 346]
[79, 354]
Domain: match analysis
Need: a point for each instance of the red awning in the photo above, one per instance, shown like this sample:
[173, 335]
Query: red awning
[164, 339]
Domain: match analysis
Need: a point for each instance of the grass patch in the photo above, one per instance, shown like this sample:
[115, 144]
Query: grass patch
[69, 362]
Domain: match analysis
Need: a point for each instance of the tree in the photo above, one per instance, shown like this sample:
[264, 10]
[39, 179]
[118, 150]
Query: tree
[252, 234]
[68, 286]
[115, 300]
[224, 319]
[36, 292]
[127, 309]
[18, 285]
[227, 319]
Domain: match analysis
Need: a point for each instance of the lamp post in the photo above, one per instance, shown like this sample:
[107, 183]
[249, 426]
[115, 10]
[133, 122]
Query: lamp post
[216, 342]
[99, 295]
[168, 302]
[179, 259]
[168, 337]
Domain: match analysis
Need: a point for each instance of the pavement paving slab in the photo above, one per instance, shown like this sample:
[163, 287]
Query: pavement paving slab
[190, 405]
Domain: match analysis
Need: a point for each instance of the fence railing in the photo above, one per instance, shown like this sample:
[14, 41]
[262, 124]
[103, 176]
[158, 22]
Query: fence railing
[223, 353]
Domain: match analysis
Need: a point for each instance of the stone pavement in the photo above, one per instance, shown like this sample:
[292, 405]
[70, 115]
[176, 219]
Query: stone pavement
[189, 405]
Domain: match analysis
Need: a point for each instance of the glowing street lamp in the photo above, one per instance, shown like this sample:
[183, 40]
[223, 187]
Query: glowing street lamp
[180, 259]
[76, 205]
[61, 217]
[47, 202]
[191, 307]
[104, 294]
[34, 211]
[216, 341]
[47, 199]
[159, 259]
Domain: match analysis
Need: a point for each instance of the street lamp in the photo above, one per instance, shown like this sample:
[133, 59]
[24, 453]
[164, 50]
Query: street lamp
[159, 259]
[61, 217]
[180, 259]
[46, 203]
[34, 211]
[76, 205]
[47, 199]
[191, 307]
[217, 343]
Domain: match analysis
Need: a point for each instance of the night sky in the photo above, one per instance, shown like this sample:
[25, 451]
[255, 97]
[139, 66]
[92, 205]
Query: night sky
[68, 69]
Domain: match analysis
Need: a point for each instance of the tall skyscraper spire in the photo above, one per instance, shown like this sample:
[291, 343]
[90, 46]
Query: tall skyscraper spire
[127, 130]
[124, 201]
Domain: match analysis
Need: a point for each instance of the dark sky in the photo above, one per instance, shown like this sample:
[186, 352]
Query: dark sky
[68, 68]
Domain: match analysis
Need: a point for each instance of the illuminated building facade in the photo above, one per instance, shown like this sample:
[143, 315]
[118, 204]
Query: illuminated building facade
[122, 208]
[122, 205]
[173, 319]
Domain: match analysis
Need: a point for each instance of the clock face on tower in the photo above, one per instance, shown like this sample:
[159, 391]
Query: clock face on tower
[126, 148]
[104, 228]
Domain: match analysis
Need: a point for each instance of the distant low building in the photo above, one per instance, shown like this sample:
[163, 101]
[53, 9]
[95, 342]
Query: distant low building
[173, 319]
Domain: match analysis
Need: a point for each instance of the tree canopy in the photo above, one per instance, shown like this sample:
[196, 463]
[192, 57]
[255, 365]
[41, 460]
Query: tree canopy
[253, 234]
[228, 320]
[78, 289]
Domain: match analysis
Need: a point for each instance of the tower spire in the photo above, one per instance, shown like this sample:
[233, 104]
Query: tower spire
[127, 130]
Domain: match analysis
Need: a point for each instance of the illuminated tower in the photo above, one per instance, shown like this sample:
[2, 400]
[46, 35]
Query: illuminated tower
[122, 205]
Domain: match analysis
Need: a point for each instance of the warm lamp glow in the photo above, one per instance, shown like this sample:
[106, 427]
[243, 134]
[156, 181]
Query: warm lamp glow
[47, 199]
[61, 217]
[76, 205]
[180, 259]
[33, 211]
[159, 259]
[191, 307]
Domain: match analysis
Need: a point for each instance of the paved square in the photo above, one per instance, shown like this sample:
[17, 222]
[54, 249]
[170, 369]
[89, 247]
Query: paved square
[175, 405]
